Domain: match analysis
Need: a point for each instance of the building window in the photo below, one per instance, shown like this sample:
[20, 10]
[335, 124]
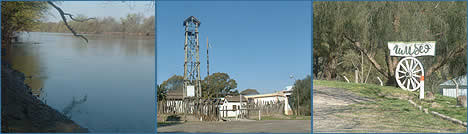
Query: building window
[234, 107]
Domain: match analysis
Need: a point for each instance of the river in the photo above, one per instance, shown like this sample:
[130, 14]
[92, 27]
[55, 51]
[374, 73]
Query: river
[106, 85]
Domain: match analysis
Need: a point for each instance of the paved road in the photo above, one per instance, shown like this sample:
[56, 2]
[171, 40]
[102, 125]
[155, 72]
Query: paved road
[263, 126]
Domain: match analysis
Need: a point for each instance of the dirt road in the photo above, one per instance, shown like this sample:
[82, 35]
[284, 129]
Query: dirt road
[328, 104]
[334, 112]
[263, 126]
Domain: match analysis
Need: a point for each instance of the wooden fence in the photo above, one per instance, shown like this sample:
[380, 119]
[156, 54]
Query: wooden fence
[203, 109]
[211, 110]
[264, 109]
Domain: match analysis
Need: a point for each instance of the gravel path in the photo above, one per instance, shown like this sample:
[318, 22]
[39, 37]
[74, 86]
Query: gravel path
[328, 103]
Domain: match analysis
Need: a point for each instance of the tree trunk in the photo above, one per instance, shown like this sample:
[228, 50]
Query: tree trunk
[330, 71]
[362, 67]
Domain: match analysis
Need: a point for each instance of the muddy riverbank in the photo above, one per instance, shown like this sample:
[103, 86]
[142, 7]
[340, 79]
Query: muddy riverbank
[22, 112]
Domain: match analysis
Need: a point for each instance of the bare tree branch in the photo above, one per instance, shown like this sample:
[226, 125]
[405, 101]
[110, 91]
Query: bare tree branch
[357, 45]
[442, 60]
[62, 14]
[82, 20]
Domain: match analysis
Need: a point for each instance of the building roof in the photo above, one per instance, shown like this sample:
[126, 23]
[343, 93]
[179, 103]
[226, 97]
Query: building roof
[461, 80]
[235, 99]
[192, 19]
[175, 94]
[265, 95]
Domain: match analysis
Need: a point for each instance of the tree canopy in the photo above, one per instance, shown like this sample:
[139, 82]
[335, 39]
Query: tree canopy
[175, 82]
[350, 36]
[218, 84]
[20, 16]
[301, 90]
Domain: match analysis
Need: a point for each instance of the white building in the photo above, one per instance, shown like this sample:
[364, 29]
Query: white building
[273, 98]
[448, 88]
[231, 106]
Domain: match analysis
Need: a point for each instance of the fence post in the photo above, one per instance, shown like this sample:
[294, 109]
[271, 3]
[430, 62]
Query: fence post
[259, 114]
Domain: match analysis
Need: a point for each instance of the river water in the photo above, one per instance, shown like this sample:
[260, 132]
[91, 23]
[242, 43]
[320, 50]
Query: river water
[106, 85]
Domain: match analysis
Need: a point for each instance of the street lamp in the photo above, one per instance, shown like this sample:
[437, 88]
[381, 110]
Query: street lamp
[297, 94]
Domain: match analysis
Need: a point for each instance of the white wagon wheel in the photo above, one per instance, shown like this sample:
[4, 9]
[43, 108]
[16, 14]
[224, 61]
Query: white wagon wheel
[408, 73]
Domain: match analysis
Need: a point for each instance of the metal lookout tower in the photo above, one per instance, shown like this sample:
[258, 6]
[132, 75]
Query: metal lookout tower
[192, 80]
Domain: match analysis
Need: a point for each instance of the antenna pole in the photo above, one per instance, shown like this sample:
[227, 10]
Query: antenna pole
[207, 58]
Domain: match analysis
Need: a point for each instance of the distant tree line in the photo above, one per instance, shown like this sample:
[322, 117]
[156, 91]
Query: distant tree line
[134, 23]
[350, 39]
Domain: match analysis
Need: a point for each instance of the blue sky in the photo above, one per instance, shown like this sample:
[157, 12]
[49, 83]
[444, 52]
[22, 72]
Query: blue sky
[114, 9]
[258, 43]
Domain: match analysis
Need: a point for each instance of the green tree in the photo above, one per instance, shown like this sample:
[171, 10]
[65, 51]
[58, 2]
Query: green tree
[20, 16]
[175, 82]
[218, 84]
[301, 90]
[161, 93]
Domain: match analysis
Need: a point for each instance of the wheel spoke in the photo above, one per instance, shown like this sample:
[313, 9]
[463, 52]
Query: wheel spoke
[400, 77]
[415, 80]
[407, 84]
[417, 71]
[415, 65]
[413, 83]
[403, 83]
[404, 68]
[415, 75]
[411, 65]
[407, 66]
[401, 71]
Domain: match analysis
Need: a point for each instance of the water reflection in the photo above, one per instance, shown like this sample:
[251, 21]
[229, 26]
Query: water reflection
[24, 56]
[112, 78]
[74, 103]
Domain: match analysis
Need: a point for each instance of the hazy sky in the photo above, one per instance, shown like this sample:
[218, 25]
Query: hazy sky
[114, 9]
[258, 43]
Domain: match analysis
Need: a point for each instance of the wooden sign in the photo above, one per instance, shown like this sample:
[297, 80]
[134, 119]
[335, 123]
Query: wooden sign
[412, 49]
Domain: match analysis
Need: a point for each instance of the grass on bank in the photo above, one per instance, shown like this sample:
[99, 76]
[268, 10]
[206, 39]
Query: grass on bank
[395, 114]
[390, 96]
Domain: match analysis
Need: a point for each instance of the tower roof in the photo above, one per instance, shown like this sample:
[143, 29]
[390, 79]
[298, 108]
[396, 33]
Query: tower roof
[192, 19]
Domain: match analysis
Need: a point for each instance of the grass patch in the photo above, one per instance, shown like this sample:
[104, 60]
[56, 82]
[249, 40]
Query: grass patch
[392, 107]
[368, 90]
[396, 114]
[444, 105]
[447, 104]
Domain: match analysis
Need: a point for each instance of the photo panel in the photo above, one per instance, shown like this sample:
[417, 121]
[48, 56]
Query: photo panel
[234, 66]
[389, 66]
[78, 66]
